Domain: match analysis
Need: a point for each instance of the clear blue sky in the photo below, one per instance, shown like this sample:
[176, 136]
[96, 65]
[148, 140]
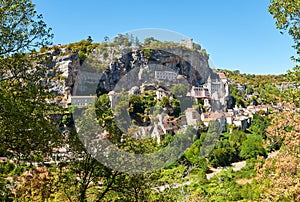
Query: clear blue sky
[238, 34]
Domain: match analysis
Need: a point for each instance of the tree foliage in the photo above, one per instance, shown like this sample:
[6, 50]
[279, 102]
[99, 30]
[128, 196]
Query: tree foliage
[27, 118]
[21, 29]
[179, 90]
[287, 16]
[252, 147]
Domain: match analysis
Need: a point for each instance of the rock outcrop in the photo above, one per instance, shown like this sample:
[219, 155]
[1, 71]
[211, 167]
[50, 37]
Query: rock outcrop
[63, 69]
[192, 65]
[139, 66]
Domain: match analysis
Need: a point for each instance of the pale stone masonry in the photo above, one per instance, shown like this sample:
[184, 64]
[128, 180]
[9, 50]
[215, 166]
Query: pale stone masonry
[165, 75]
[192, 116]
[82, 101]
[187, 43]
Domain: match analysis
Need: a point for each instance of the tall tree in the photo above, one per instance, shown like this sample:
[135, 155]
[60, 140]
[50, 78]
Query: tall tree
[26, 117]
[21, 28]
[287, 16]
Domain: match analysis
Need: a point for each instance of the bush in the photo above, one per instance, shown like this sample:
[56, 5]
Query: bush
[82, 56]
[6, 168]
[18, 170]
[252, 147]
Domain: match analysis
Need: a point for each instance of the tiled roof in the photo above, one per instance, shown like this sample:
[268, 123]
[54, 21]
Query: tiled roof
[222, 75]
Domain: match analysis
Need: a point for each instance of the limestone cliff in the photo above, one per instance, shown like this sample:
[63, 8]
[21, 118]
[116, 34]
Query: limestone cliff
[192, 65]
[63, 66]
[139, 65]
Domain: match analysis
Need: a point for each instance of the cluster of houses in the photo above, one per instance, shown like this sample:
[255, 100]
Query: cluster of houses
[240, 117]
[212, 90]
[162, 124]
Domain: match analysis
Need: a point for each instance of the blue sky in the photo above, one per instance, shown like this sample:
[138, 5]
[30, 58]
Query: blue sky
[238, 34]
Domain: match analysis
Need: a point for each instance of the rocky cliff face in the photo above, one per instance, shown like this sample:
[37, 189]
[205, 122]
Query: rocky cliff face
[138, 65]
[63, 67]
[197, 60]
[192, 65]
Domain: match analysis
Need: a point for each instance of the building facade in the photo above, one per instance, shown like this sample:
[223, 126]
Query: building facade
[166, 75]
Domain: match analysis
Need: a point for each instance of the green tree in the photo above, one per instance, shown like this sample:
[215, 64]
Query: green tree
[192, 154]
[122, 39]
[259, 125]
[149, 40]
[89, 39]
[27, 118]
[22, 29]
[165, 102]
[5, 194]
[252, 147]
[28, 128]
[137, 41]
[106, 38]
[287, 16]
[179, 90]
[250, 90]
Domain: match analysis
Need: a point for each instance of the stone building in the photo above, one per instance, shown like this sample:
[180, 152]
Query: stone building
[218, 89]
[199, 92]
[82, 101]
[192, 117]
[187, 43]
[165, 75]
[214, 116]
